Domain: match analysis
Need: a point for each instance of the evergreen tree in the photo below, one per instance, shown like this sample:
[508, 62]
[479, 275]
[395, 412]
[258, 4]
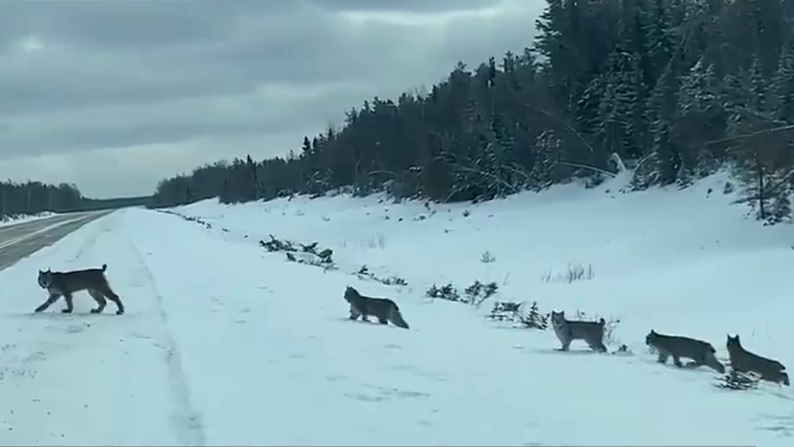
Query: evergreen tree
[674, 89]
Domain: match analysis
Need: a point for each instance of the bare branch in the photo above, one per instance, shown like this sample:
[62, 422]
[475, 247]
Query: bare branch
[758, 116]
[516, 169]
[750, 135]
[486, 174]
[453, 192]
[564, 124]
[383, 171]
[588, 167]
[782, 181]
[643, 160]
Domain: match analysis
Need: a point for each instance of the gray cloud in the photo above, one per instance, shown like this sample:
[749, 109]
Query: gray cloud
[402, 5]
[205, 80]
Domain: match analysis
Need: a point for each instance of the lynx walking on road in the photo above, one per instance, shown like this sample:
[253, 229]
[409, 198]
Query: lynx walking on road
[65, 284]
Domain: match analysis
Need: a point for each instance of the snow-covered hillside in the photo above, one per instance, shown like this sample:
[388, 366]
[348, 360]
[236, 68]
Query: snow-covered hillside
[679, 261]
[226, 343]
[665, 259]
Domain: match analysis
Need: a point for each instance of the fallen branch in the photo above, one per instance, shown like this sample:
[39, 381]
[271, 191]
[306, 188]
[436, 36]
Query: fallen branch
[586, 166]
[750, 135]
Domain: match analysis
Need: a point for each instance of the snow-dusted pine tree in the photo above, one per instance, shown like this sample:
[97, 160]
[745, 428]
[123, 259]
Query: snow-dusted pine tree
[700, 116]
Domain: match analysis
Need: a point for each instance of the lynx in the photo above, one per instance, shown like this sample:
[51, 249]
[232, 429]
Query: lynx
[384, 309]
[64, 284]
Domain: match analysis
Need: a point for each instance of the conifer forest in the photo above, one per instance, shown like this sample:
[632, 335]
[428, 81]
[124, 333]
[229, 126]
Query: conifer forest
[665, 91]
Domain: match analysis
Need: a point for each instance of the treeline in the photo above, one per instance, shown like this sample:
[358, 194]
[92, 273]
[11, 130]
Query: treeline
[119, 202]
[21, 199]
[18, 199]
[670, 90]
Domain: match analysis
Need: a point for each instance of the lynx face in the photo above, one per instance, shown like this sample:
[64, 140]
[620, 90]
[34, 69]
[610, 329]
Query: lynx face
[45, 278]
[558, 318]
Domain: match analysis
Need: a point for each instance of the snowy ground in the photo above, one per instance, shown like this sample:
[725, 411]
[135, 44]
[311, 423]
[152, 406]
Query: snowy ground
[26, 218]
[224, 343]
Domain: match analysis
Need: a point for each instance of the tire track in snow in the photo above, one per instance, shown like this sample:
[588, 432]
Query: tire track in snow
[91, 242]
[187, 421]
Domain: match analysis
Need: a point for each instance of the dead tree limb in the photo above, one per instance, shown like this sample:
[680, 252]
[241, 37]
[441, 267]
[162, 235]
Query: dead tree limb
[750, 135]
[588, 167]
[562, 122]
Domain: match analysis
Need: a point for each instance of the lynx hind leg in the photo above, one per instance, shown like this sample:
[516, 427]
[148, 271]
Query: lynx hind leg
[383, 313]
[596, 344]
[779, 377]
[711, 361]
[364, 314]
[109, 294]
[100, 301]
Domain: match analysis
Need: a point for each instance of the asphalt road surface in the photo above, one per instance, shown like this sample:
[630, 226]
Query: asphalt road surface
[23, 239]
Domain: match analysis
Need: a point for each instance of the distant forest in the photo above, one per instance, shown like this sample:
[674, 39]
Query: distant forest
[19, 199]
[668, 90]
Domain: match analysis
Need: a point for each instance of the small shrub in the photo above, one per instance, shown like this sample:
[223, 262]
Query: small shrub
[534, 319]
[364, 272]
[196, 220]
[478, 292]
[574, 272]
[301, 253]
[310, 259]
[394, 281]
[275, 244]
[377, 242]
[487, 258]
[505, 311]
[475, 294]
[446, 292]
[737, 381]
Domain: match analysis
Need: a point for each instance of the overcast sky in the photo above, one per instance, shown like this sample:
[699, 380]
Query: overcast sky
[116, 95]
